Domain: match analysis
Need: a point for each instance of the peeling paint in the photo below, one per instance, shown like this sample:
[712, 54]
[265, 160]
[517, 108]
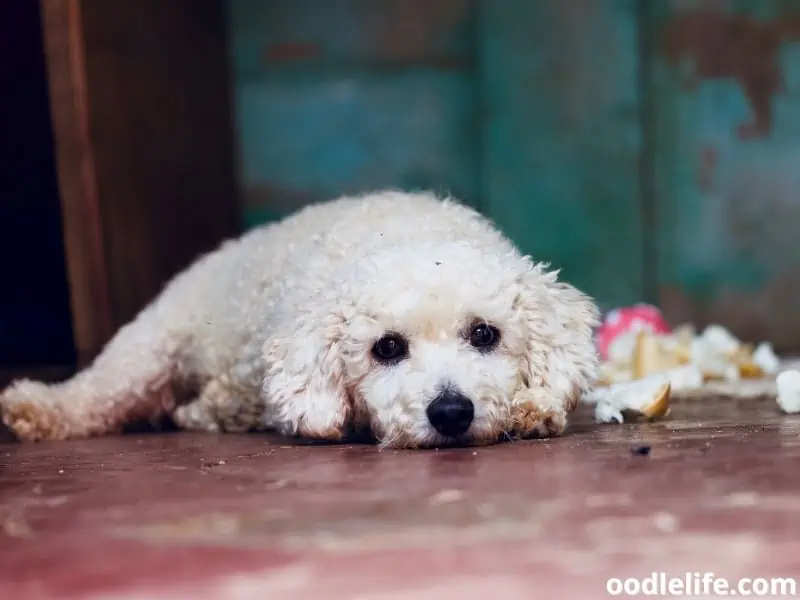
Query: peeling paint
[728, 45]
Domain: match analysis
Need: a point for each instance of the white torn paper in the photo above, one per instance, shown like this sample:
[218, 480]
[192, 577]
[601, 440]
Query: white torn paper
[648, 397]
[788, 396]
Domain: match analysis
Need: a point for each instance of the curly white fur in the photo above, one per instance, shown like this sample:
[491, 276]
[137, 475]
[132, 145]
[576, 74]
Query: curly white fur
[276, 329]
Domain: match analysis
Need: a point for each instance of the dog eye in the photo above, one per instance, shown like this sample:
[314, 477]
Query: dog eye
[390, 348]
[484, 336]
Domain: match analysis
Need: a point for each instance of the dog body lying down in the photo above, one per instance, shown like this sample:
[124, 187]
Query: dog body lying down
[398, 314]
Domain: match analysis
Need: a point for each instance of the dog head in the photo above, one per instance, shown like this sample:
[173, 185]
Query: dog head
[436, 353]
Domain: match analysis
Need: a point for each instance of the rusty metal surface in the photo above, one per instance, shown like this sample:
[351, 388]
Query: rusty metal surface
[562, 138]
[248, 516]
[348, 96]
[348, 32]
[273, 34]
[736, 46]
[724, 89]
[664, 168]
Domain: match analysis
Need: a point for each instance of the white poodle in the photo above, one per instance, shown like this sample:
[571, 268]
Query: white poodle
[402, 316]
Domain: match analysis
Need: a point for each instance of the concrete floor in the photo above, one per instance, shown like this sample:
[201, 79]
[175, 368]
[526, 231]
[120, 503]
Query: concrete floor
[241, 517]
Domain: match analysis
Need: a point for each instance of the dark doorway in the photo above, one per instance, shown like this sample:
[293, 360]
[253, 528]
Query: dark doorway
[35, 324]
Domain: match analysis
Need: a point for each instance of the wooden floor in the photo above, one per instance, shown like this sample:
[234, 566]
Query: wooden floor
[235, 517]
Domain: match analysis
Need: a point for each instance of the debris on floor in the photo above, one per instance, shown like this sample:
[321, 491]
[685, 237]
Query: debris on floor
[641, 450]
[788, 395]
[644, 398]
[715, 354]
[641, 354]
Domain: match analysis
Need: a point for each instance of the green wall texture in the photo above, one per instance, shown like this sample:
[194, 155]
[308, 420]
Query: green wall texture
[649, 149]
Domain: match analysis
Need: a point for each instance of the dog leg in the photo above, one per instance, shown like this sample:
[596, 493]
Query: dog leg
[315, 416]
[304, 384]
[560, 361]
[201, 413]
[131, 380]
[536, 413]
[220, 408]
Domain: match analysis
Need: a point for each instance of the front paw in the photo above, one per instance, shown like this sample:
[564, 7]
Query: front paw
[535, 413]
[327, 433]
[320, 424]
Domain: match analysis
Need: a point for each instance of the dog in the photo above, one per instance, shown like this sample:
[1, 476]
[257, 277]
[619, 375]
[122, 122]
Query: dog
[403, 316]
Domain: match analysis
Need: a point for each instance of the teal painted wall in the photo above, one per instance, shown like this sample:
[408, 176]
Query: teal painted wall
[646, 148]
[725, 132]
[562, 139]
[343, 96]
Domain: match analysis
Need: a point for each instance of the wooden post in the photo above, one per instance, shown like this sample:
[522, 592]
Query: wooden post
[141, 116]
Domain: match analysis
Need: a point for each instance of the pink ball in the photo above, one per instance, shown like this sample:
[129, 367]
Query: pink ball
[639, 317]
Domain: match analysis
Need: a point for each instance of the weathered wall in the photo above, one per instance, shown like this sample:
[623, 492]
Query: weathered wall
[724, 85]
[343, 96]
[647, 148]
[562, 139]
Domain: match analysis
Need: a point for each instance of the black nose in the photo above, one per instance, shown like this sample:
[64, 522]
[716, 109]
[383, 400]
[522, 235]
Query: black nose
[451, 413]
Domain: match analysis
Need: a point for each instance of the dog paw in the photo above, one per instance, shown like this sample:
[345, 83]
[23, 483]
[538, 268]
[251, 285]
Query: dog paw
[26, 412]
[536, 414]
[195, 417]
[316, 417]
[318, 427]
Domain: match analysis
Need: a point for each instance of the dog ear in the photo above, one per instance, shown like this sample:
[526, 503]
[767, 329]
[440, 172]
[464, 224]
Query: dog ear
[560, 357]
[304, 385]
